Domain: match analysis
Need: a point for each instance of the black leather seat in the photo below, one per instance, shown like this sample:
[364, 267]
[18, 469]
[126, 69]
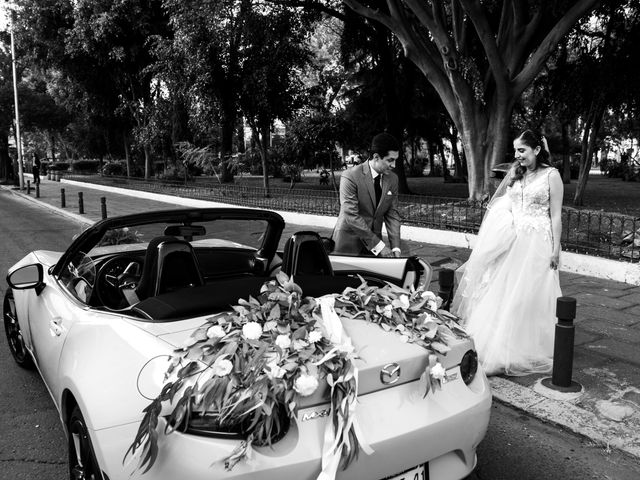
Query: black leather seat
[305, 254]
[170, 264]
[305, 258]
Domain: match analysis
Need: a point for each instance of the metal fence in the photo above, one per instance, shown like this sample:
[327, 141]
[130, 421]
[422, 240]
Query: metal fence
[596, 233]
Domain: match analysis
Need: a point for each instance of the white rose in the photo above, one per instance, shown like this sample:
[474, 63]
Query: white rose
[274, 370]
[429, 295]
[216, 331]
[299, 345]
[283, 341]
[305, 385]
[438, 372]
[315, 336]
[270, 325]
[251, 330]
[401, 302]
[222, 367]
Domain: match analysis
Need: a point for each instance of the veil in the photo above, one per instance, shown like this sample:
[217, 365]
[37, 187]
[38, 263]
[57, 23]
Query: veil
[494, 239]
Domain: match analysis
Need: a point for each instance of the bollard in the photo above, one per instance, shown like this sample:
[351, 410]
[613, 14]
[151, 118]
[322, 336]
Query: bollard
[63, 202]
[563, 348]
[103, 207]
[38, 190]
[28, 187]
[80, 203]
[445, 280]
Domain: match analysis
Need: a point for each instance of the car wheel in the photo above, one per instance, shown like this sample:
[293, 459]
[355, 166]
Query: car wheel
[14, 332]
[82, 460]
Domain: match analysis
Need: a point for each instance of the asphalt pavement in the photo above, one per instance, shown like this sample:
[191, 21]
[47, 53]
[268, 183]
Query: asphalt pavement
[606, 357]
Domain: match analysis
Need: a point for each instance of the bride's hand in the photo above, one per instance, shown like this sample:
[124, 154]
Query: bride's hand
[555, 261]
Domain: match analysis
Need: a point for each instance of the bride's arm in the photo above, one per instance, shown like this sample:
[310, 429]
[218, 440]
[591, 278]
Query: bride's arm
[556, 193]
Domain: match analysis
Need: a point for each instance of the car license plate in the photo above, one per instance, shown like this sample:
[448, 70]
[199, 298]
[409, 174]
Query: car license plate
[421, 472]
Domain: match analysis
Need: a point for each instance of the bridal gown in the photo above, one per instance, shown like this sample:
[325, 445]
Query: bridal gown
[507, 294]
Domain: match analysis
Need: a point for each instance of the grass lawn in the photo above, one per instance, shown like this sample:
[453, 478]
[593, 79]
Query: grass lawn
[602, 193]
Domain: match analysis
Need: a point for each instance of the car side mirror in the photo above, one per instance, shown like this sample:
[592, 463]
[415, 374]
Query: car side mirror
[29, 276]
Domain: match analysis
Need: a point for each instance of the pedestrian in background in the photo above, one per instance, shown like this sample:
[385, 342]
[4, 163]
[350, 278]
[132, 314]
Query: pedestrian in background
[369, 199]
[35, 169]
[507, 293]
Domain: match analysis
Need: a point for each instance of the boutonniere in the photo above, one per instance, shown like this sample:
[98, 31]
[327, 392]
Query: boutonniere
[389, 192]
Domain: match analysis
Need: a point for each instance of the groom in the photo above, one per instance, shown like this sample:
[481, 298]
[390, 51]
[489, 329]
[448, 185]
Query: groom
[369, 197]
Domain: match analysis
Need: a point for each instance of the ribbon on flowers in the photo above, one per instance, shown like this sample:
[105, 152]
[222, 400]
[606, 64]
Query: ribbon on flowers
[342, 417]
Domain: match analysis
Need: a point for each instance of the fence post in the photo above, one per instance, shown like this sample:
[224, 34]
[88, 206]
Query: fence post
[63, 201]
[445, 280]
[80, 203]
[103, 207]
[563, 348]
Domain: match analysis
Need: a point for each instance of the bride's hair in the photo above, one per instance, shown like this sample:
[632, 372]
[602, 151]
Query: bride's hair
[533, 140]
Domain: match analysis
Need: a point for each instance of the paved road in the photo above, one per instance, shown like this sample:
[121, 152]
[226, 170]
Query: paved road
[33, 445]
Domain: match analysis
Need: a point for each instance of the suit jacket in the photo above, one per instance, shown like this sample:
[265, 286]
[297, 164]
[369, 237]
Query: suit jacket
[359, 225]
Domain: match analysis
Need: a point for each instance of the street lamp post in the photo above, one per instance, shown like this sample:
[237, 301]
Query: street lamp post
[15, 98]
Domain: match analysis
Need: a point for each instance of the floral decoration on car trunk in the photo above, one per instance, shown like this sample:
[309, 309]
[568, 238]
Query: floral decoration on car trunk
[243, 372]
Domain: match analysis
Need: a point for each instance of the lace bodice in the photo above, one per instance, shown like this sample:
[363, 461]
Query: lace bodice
[530, 204]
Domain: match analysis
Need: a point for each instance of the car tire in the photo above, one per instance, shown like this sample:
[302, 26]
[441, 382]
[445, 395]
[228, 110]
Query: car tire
[83, 464]
[13, 332]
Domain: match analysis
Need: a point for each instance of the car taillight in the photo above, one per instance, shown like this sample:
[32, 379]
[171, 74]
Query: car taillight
[208, 425]
[469, 366]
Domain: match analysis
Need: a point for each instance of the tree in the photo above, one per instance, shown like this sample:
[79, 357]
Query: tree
[594, 80]
[269, 91]
[479, 56]
[103, 46]
[210, 38]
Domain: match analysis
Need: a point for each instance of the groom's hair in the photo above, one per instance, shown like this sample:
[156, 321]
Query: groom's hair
[383, 143]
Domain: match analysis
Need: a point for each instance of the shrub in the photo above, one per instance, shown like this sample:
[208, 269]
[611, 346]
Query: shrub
[85, 166]
[117, 168]
[59, 166]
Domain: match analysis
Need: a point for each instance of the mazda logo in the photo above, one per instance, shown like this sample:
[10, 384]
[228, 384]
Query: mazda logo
[390, 373]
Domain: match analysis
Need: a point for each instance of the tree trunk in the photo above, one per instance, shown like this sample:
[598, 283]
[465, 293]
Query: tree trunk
[226, 142]
[457, 161]
[445, 166]
[147, 162]
[589, 138]
[261, 135]
[127, 155]
[566, 154]
[432, 160]
[5, 160]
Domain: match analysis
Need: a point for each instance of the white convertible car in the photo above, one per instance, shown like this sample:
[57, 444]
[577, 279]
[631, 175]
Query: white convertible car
[100, 321]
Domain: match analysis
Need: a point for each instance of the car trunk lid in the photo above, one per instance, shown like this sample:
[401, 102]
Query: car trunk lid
[375, 349]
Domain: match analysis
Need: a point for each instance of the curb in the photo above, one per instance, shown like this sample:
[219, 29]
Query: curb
[60, 211]
[565, 414]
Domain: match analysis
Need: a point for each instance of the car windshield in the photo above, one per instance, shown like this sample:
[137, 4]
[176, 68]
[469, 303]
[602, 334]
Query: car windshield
[246, 233]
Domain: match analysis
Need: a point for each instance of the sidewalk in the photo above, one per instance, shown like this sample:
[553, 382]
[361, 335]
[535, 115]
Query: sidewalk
[607, 334]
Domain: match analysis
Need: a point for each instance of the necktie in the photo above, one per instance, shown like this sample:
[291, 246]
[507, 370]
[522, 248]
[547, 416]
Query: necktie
[377, 188]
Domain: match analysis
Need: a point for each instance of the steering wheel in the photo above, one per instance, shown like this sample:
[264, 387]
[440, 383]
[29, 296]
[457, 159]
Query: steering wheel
[114, 274]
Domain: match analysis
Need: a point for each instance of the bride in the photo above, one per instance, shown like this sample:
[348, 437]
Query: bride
[507, 294]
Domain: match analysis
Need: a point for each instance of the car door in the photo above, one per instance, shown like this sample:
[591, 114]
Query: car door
[52, 314]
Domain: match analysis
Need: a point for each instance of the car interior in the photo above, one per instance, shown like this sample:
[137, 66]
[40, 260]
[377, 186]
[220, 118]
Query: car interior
[171, 277]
